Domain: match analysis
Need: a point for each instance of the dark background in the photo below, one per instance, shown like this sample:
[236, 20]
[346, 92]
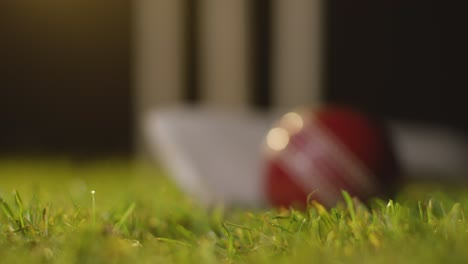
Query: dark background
[65, 77]
[399, 59]
[65, 68]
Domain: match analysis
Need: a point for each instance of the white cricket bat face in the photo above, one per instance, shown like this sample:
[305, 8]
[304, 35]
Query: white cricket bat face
[217, 156]
[214, 155]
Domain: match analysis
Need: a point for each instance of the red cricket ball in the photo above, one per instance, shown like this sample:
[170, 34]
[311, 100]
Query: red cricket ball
[320, 152]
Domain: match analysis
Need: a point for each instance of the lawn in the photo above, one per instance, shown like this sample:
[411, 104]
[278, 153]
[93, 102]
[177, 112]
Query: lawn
[126, 212]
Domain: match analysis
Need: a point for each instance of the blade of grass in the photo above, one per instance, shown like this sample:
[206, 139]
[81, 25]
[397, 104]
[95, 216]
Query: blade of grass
[19, 203]
[6, 209]
[124, 217]
[45, 221]
[350, 205]
[93, 207]
[173, 241]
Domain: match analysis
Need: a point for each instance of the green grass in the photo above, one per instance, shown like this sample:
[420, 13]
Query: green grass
[136, 215]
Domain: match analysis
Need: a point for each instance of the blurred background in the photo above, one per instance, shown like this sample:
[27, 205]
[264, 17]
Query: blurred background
[77, 75]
